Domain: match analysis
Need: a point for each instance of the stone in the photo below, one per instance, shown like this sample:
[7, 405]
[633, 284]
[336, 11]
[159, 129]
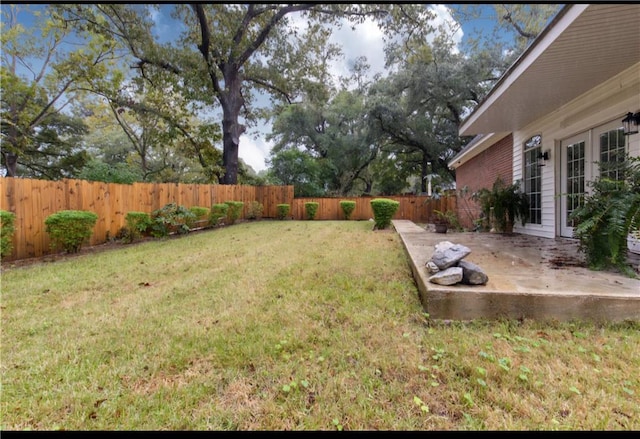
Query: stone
[472, 274]
[443, 245]
[432, 267]
[450, 276]
[448, 254]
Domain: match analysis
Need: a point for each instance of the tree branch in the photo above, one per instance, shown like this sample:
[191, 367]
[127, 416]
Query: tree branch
[264, 33]
[516, 26]
[205, 46]
[245, 24]
[270, 86]
[142, 61]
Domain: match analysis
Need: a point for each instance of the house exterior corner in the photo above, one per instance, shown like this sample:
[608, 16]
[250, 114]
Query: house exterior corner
[561, 106]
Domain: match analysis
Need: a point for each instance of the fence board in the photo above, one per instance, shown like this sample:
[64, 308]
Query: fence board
[36, 232]
[22, 222]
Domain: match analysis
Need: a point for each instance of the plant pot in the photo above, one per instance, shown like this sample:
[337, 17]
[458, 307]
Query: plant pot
[633, 243]
[441, 228]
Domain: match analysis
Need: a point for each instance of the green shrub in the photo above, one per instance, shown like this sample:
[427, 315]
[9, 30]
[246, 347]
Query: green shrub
[7, 227]
[201, 214]
[171, 217]
[218, 213]
[311, 209]
[383, 211]
[254, 211]
[607, 214]
[347, 208]
[70, 228]
[282, 210]
[234, 212]
[138, 223]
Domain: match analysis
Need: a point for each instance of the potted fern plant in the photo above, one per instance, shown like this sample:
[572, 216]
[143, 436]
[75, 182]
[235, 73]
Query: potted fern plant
[444, 220]
[503, 204]
[608, 215]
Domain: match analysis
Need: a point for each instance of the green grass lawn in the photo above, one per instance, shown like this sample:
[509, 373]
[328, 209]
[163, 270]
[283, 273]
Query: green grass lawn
[288, 325]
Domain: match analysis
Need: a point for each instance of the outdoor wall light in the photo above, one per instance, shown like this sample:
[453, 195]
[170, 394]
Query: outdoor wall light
[543, 157]
[630, 123]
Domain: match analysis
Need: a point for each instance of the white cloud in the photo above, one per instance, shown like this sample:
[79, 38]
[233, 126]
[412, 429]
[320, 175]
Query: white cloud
[451, 27]
[254, 152]
[365, 40]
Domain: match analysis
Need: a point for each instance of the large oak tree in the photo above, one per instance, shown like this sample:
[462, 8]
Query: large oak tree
[225, 54]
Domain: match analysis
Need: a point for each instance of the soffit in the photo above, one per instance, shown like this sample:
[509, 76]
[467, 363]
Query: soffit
[600, 42]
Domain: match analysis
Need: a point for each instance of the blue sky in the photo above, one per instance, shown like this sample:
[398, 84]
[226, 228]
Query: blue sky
[365, 40]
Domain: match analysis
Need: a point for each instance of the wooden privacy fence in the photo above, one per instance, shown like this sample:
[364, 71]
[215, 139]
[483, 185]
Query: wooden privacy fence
[415, 208]
[32, 201]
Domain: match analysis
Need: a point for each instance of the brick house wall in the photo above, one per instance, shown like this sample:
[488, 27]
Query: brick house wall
[479, 172]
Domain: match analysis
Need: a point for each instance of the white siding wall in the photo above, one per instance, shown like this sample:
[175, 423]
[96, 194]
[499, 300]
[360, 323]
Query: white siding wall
[607, 102]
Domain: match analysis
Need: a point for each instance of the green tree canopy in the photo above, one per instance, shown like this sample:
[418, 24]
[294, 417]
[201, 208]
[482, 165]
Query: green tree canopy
[335, 136]
[226, 53]
[42, 74]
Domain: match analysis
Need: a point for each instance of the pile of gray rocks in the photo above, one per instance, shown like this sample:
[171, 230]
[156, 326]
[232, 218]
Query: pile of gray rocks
[447, 266]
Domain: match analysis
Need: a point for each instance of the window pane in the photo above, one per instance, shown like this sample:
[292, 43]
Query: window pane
[612, 152]
[533, 177]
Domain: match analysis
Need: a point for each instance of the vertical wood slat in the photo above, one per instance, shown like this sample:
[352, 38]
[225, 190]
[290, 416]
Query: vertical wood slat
[36, 231]
[23, 203]
[112, 190]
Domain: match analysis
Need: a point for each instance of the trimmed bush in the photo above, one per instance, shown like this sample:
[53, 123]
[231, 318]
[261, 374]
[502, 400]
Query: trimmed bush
[311, 209]
[138, 223]
[170, 218]
[234, 212]
[218, 213]
[347, 208]
[254, 211]
[7, 227]
[383, 211]
[201, 214]
[282, 210]
[69, 229]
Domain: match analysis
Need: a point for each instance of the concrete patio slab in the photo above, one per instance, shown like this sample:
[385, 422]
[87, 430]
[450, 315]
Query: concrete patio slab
[529, 277]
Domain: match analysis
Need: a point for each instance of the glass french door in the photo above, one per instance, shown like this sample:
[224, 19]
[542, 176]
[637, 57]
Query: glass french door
[574, 172]
[579, 160]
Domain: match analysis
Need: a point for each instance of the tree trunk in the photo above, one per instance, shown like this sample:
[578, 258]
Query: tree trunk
[232, 102]
[424, 170]
[230, 147]
[11, 162]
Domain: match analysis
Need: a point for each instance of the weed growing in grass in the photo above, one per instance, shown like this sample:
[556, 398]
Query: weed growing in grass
[293, 385]
[483, 373]
[420, 403]
[468, 399]
[524, 373]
